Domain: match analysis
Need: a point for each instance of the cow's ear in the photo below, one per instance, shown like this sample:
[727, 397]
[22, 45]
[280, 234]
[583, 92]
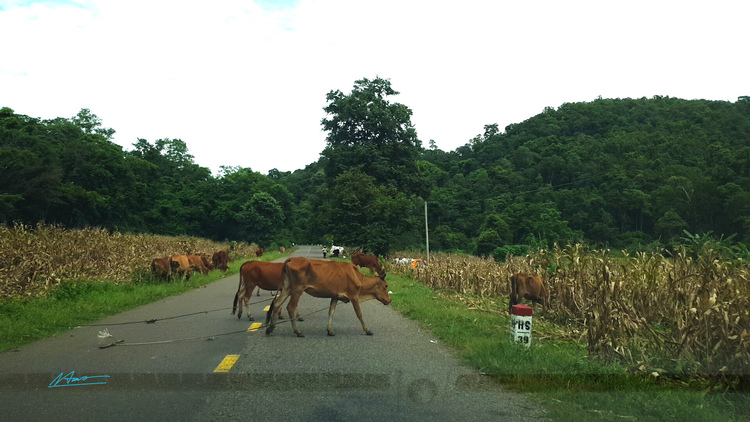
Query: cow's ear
[382, 276]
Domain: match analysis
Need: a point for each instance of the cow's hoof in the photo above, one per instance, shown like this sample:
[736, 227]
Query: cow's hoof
[369, 333]
[269, 330]
[239, 316]
[300, 319]
[249, 318]
[331, 333]
[300, 335]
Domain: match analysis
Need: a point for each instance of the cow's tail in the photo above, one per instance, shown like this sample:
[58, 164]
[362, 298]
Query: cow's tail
[269, 314]
[240, 289]
[284, 280]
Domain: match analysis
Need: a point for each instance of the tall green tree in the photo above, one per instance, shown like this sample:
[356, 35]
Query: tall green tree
[368, 131]
[358, 212]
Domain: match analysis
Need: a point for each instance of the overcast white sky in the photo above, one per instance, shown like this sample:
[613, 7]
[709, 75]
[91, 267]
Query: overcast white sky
[243, 83]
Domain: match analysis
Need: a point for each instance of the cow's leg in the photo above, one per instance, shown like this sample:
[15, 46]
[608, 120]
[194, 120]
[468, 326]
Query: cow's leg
[358, 311]
[292, 309]
[249, 295]
[239, 297]
[275, 310]
[331, 310]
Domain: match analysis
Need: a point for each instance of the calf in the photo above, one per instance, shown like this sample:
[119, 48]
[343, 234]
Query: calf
[199, 263]
[161, 268]
[220, 260]
[180, 266]
[371, 262]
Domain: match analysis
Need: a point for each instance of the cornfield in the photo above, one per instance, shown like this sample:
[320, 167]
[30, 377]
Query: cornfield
[679, 315]
[34, 259]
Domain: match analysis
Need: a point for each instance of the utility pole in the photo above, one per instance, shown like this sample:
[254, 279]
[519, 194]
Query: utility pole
[426, 233]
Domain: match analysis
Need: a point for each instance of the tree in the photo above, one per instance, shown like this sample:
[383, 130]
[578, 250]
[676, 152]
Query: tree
[357, 212]
[262, 217]
[368, 132]
[90, 123]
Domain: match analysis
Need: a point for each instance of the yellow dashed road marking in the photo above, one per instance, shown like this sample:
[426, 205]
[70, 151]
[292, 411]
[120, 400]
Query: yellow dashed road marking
[254, 326]
[227, 363]
[266, 308]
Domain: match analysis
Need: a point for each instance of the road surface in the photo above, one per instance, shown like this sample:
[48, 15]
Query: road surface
[165, 371]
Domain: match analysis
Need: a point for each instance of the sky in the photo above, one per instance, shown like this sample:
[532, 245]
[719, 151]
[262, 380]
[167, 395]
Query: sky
[244, 83]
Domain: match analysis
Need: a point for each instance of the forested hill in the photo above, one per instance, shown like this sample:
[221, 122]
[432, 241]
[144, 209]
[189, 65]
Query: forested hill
[623, 173]
[616, 172]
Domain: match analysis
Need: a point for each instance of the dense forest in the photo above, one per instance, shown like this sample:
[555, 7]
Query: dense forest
[619, 173]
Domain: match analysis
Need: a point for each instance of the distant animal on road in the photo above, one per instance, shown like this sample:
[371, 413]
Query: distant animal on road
[326, 279]
[259, 252]
[371, 262]
[529, 287]
[282, 249]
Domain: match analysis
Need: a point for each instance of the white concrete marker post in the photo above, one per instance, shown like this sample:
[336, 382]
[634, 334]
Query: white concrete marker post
[520, 324]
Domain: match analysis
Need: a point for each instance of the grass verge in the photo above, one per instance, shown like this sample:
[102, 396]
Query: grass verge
[23, 321]
[556, 373]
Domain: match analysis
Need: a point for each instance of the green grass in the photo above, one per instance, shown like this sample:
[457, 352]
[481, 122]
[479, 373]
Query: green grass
[72, 304]
[555, 372]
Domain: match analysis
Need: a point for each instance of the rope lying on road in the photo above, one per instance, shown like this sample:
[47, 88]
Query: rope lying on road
[151, 321]
[112, 341]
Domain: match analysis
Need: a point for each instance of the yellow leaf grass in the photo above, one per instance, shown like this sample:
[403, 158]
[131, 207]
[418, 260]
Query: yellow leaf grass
[642, 310]
[34, 259]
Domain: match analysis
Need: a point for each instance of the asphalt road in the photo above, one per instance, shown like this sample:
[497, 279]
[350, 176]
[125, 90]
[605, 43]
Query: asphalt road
[400, 373]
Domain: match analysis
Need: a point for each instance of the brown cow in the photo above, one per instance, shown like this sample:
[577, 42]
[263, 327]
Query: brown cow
[327, 279]
[220, 260]
[529, 287]
[180, 266]
[371, 262]
[264, 275]
[259, 252]
[198, 263]
[206, 263]
[161, 268]
[282, 249]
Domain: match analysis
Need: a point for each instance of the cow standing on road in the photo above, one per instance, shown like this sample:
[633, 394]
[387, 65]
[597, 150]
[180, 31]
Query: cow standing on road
[325, 279]
[264, 275]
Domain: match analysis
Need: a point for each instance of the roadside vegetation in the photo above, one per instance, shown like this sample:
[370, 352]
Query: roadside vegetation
[557, 369]
[73, 303]
[53, 279]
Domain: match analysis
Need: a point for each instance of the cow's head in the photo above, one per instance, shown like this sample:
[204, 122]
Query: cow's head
[381, 291]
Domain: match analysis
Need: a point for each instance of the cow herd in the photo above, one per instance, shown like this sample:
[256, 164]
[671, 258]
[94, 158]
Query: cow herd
[181, 267]
[338, 281]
